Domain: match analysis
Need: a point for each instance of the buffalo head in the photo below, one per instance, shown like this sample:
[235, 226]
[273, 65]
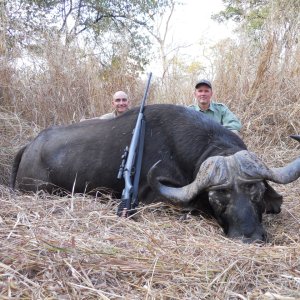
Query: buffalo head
[237, 191]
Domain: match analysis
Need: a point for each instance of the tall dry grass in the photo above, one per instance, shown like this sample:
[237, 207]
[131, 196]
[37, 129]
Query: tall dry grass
[262, 92]
[259, 79]
[14, 133]
[62, 84]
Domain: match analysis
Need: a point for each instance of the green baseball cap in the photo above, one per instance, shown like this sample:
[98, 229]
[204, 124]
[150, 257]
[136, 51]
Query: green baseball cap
[203, 81]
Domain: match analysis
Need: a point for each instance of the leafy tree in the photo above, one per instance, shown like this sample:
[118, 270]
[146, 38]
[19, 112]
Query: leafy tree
[105, 24]
[241, 10]
[255, 16]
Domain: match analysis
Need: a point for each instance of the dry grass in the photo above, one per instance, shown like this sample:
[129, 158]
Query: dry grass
[14, 132]
[259, 79]
[77, 248]
[63, 84]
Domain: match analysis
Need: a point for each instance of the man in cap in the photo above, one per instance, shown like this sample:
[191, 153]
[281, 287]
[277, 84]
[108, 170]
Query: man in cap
[120, 104]
[217, 111]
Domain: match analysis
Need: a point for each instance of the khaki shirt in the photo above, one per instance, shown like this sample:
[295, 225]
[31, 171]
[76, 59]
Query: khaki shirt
[111, 115]
[221, 114]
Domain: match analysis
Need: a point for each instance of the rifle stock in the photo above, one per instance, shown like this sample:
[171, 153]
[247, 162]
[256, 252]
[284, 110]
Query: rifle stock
[133, 159]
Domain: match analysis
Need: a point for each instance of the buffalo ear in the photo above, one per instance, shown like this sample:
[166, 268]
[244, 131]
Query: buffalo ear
[272, 200]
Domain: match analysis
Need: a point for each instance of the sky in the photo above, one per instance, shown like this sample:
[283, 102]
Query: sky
[192, 21]
[191, 24]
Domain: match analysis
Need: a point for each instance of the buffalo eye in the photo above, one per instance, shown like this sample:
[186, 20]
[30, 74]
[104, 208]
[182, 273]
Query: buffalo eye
[219, 197]
[255, 190]
[250, 187]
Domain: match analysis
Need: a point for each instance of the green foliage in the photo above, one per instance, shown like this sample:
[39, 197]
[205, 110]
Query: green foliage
[230, 13]
[239, 10]
[254, 16]
[98, 24]
[251, 13]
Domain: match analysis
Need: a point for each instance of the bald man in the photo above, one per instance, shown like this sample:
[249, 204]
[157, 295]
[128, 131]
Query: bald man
[120, 104]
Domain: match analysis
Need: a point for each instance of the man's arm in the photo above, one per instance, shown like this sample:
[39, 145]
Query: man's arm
[230, 120]
[103, 117]
[111, 115]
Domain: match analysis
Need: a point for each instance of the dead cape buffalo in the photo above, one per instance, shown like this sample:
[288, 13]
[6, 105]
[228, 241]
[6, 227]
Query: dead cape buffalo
[202, 166]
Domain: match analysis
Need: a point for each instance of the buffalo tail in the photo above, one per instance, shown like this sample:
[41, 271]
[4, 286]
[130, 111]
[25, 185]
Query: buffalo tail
[15, 167]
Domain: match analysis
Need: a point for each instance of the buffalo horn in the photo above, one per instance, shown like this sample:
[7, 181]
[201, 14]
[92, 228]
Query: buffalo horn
[295, 137]
[284, 175]
[252, 167]
[213, 169]
[288, 173]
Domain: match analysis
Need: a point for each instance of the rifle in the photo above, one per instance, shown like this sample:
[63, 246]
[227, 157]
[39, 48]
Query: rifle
[132, 162]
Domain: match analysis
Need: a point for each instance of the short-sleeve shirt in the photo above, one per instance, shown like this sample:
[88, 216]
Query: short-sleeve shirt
[221, 114]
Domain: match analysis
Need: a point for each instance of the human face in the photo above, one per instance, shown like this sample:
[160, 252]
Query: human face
[203, 94]
[120, 104]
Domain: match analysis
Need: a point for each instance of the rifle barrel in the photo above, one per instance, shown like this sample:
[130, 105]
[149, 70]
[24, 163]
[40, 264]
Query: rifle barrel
[145, 93]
